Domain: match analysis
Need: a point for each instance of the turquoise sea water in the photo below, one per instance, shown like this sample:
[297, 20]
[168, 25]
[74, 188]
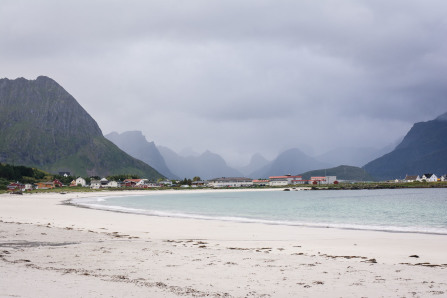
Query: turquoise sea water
[393, 210]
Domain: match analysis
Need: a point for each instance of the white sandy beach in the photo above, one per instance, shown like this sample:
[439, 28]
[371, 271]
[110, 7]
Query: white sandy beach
[50, 249]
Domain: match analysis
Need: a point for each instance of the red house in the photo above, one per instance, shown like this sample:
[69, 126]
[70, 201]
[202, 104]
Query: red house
[131, 182]
[49, 184]
[15, 186]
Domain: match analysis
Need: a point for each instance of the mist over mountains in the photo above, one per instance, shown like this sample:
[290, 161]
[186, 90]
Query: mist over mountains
[292, 161]
[354, 156]
[207, 165]
[175, 166]
[257, 162]
[136, 145]
[42, 125]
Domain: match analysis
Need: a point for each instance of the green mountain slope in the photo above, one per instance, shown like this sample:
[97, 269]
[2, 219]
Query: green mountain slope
[42, 125]
[342, 172]
[423, 150]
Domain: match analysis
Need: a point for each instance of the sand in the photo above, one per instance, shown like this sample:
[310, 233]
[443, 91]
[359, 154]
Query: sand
[50, 249]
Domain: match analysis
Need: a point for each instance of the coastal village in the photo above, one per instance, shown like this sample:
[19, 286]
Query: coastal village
[223, 182]
[258, 149]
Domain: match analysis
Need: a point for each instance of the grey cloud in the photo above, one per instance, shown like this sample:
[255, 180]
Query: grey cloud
[251, 76]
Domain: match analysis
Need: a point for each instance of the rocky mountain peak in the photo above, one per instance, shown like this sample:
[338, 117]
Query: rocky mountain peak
[42, 125]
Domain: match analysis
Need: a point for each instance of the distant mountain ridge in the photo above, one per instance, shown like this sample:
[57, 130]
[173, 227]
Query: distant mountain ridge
[207, 165]
[42, 125]
[354, 156]
[136, 145]
[257, 161]
[292, 161]
[342, 172]
[423, 150]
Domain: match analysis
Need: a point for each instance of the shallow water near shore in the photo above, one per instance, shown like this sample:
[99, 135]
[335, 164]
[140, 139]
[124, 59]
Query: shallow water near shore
[392, 210]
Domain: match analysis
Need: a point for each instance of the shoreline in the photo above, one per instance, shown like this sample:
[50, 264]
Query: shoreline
[242, 220]
[221, 258]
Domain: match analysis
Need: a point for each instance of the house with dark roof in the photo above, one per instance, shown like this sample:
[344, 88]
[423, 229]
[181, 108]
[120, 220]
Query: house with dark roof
[412, 178]
[95, 184]
[285, 180]
[429, 178]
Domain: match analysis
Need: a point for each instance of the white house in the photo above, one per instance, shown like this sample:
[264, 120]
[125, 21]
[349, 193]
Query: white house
[145, 183]
[29, 186]
[412, 178]
[443, 178]
[429, 177]
[141, 182]
[165, 182]
[112, 184]
[80, 181]
[95, 184]
[285, 180]
[230, 182]
[104, 182]
[261, 182]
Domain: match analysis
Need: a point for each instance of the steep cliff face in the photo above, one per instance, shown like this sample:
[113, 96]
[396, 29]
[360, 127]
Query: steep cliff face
[135, 144]
[42, 125]
[41, 122]
[423, 150]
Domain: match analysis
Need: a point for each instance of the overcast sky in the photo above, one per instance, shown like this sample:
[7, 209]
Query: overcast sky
[239, 77]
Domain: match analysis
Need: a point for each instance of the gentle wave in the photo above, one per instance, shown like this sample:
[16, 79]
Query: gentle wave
[90, 203]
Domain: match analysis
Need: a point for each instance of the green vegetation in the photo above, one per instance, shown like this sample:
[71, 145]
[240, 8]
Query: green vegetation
[185, 182]
[102, 158]
[122, 177]
[3, 184]
[9, 173]
[66, 180]
[43, 126]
